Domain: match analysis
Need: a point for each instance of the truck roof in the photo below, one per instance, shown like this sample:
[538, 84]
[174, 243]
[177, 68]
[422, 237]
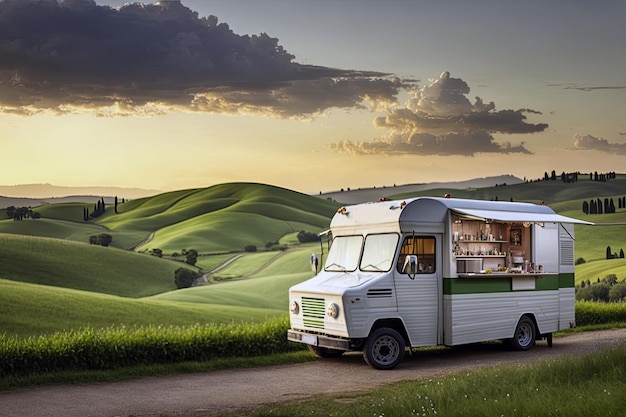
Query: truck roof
[392, 214]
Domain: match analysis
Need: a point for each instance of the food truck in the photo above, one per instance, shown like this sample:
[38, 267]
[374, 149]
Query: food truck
[437, 271]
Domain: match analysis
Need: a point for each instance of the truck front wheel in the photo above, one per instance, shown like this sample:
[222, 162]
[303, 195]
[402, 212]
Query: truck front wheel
[384, 348]
[524, 336]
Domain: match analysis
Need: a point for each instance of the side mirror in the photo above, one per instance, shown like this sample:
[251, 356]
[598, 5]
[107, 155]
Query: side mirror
[314, 262]
[410, 265]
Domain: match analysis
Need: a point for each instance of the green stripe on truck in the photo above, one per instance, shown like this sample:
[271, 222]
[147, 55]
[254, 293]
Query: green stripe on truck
[503, 284]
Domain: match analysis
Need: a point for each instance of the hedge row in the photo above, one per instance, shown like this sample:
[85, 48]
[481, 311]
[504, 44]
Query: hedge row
[589, 313]
[110, 348]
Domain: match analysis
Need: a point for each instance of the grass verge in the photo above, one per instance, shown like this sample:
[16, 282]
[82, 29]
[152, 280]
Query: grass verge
[571, 386]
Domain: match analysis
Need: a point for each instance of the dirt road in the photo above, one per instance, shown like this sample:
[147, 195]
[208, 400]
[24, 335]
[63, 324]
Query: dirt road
[196, 395]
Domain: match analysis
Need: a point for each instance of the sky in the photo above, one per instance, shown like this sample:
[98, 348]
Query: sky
[310, 95]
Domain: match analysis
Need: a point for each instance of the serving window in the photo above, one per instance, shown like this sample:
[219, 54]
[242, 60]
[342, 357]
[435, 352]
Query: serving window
[423, 247]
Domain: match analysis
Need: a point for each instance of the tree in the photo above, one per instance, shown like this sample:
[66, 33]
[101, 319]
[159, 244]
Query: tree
[21, 213]
[305, 237]
[609, 254]
[184, 277]
[191, 256]
[618, 292]
[103, 239]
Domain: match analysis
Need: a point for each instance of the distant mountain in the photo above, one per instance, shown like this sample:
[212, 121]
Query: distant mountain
[363, 195]
[33, 195]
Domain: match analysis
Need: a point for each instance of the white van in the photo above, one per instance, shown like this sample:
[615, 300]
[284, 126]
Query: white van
[437, 271]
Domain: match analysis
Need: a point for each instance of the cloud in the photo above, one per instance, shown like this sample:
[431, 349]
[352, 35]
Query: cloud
[441, 120]
[74, 55]
[590, 143]
[572, 86]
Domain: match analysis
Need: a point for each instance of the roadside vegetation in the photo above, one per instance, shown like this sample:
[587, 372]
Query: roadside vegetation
[574, 387]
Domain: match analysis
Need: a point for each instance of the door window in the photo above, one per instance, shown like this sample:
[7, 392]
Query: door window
[422, 247]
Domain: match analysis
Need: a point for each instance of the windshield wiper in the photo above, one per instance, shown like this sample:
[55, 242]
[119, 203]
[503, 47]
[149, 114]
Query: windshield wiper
[340, 267]
[370, 267]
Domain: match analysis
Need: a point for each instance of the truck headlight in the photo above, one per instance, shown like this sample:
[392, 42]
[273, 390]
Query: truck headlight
[294, 307]
[332, 310]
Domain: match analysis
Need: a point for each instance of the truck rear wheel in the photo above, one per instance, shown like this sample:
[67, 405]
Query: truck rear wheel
[322, 352]
[524, 336]
[384, 348]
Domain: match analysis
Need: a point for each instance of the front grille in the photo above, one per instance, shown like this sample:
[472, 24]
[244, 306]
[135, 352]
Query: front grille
[313, 311]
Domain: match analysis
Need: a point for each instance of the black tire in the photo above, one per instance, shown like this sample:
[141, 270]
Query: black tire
[525, 334]
[384, 349]
[322, 352]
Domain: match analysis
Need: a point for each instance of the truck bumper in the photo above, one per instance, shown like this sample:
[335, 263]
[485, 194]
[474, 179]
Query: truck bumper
[324, 341]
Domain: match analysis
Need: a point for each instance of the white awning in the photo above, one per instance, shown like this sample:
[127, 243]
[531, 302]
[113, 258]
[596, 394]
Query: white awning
[516, 216]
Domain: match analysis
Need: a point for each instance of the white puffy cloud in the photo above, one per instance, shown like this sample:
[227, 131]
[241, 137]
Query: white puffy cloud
[73, 55]
[588, 142]
[440, 120]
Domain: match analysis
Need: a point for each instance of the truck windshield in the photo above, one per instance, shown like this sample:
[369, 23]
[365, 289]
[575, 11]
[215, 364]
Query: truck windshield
[378, 252]
[344, 253]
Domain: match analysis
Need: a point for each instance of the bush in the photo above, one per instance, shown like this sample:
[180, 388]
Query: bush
[184, 277]
[580, 261]
[592, 313]
[306, 237]
[618, 292]
[103, 239]
[249, 248]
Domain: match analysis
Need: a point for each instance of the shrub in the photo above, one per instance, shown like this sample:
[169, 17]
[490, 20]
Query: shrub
[249, 248]
[580, 261]
[191, 256]
[591, 313]
[618, 292]
[184, 277]
[305, 237]
[103, 239]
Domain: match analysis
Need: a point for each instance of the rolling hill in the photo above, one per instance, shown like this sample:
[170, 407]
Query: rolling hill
[52, 279]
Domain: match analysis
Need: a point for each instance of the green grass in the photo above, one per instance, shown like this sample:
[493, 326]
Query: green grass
[118, 347]
[569, 386]
[599, 269]
[221, 218]
[81, 266]
[33, 310]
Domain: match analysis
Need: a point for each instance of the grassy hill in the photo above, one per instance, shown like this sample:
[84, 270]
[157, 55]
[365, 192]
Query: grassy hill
[221, 218]
[549, 192]
[52, 279]
[80, 266]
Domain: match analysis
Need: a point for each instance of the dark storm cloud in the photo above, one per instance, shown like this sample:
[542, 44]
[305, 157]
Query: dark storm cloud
[588, 142]
[441, 120]
[70, 55]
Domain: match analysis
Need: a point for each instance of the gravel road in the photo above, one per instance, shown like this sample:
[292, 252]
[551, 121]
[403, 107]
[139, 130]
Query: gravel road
[200, 395]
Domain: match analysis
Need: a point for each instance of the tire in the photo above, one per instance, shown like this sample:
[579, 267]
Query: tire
[384, 349]
[322, 352]
[525, 334]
